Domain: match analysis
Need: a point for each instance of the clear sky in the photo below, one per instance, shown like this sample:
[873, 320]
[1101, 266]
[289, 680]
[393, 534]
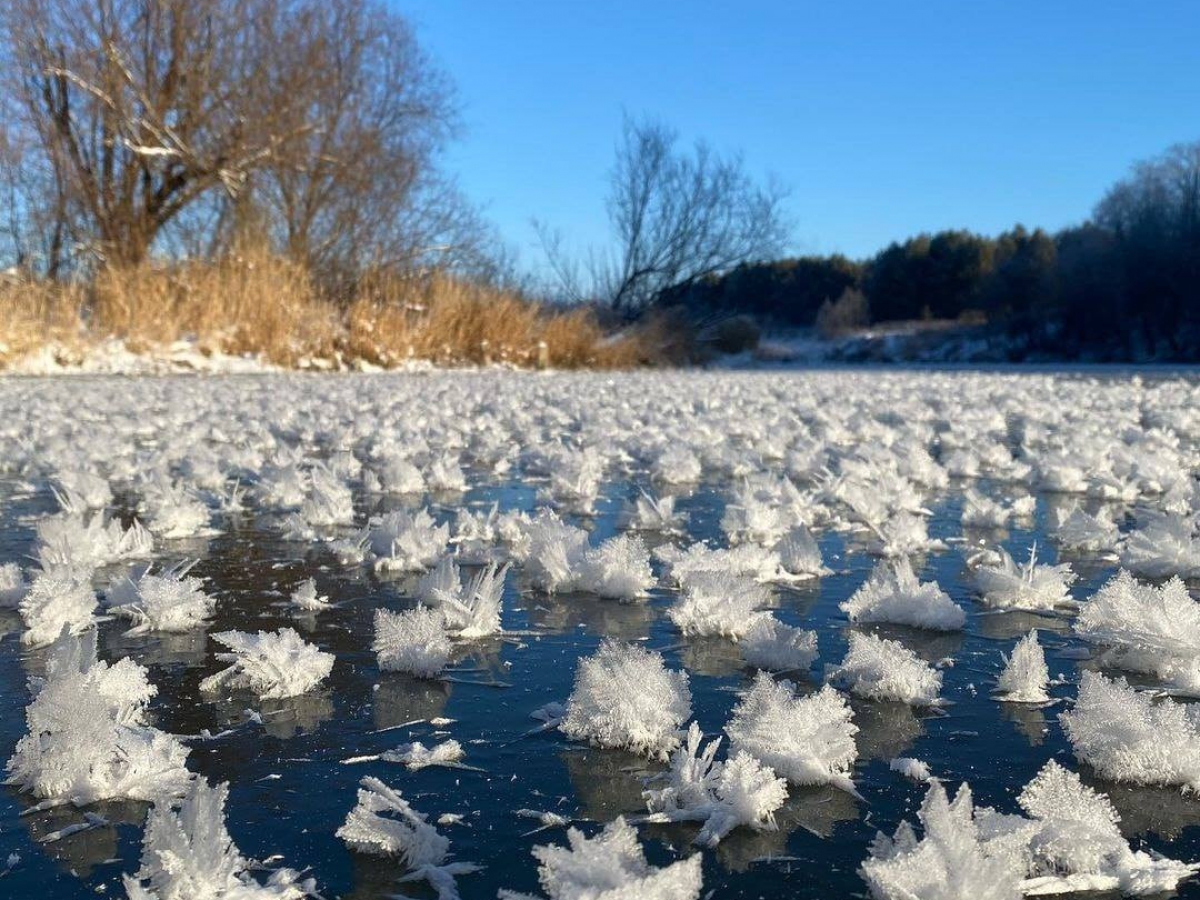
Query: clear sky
[885, 118]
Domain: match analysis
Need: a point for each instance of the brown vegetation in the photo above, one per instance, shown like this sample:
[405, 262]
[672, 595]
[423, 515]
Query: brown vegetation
[267, 305]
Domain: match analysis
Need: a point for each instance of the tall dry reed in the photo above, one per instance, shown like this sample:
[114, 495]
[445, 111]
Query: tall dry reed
[263, 304]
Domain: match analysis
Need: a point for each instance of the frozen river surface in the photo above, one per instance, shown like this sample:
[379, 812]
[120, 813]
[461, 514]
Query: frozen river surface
[595, 490]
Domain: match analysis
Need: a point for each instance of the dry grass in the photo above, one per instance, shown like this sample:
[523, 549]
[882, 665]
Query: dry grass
[260, 303]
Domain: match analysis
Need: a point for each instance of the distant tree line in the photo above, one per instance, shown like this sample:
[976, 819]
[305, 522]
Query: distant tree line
[1125, 283]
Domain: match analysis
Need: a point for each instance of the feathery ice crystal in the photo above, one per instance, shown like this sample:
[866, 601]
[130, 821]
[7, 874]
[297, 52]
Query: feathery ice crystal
[470, 611]
[1025, 676]
[406, 542]
[651, 513]
[770, 644]
[88, 739]
[808, 740]
[879, 669]
[610, 866]
[740, 791]
[1166, 545]
[799, 555]
[382, 823]
[1029, 586]
[187, 853]
[1127, 736]
[625, 697]
[1077, 845]
[273, 665]
[12, 585]
[171, 601]
[1079, 531]
[1148, 629]
[306, 599]
[949, 862]
[719, 604]
[619, 569]
[58, 599]
[1066, 842]
[893, 594]
[413, 641]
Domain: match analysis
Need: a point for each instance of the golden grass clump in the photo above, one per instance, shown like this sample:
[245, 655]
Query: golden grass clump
[259, 303]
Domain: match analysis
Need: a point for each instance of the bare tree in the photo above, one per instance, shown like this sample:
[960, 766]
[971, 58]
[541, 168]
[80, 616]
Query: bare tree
[144, 105]
[363, 188]
[176, 124]
[676, 217]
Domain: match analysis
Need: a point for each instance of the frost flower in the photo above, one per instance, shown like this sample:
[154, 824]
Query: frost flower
[610, 866]
[169, 602]
[383, 824]
[625, 697]
[770, 644]
[879, 669]
[187, 853]
[273, 665]
[413, 641]
[88, 739]
[1124, 735]
[1025, 674]
[1028, 586]
[893, 594]
[808, 740]
[741, 791]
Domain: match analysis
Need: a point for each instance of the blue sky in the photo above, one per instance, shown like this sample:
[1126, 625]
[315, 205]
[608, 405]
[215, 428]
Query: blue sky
[885, 119]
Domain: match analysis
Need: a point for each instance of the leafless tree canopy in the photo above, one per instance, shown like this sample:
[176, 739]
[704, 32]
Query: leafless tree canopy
[676, 217]
[139, 122]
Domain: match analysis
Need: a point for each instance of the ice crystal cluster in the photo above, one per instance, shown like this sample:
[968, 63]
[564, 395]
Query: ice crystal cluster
[685, 529]
[187, 853]
[170, 601]
[878, 669]
[1066, 841]
[383, 823]
[721, 795]
[89, 737]
[1146, 629]
[808, 740]
[1025, 676]
[1127, 735]
[770, 644]
[625, 697]
[413, 641]
[272, 665]
[893, 594]
[1032, 586]
[610, 866]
